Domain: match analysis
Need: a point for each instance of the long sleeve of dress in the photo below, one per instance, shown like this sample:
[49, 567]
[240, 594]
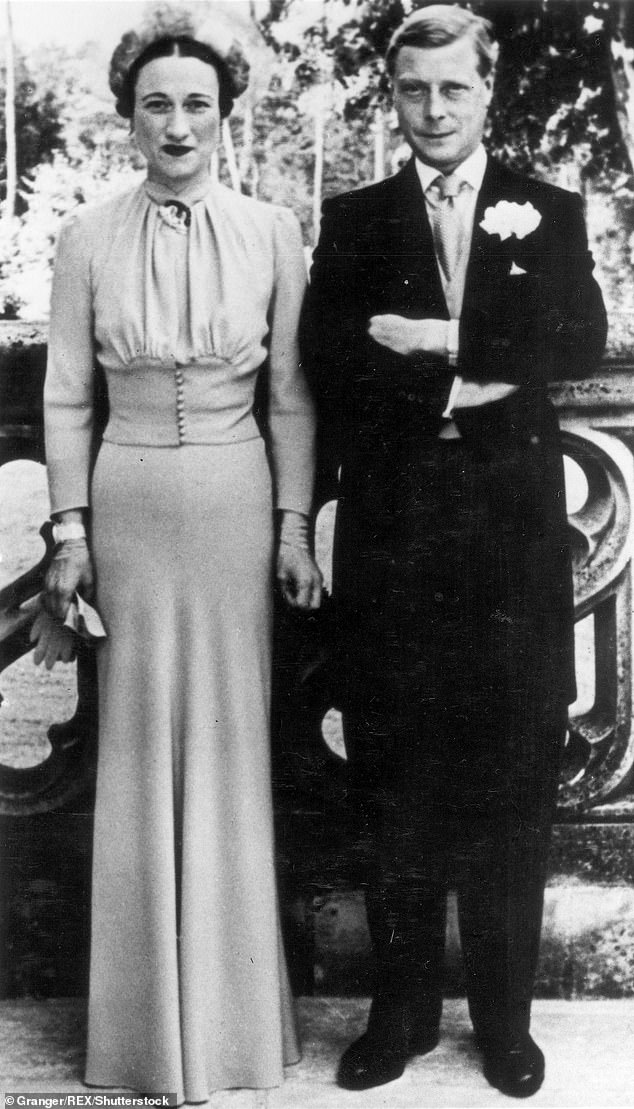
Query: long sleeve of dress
[291, 416]
[68, 389]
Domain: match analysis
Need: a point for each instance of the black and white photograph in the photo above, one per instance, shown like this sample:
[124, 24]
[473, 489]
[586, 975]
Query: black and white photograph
[316, 548]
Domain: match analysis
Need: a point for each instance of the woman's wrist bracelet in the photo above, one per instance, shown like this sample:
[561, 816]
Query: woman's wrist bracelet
[294, 530]
[62, 533]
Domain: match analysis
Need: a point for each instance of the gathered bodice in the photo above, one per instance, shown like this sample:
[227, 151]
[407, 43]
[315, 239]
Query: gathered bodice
[181, 318]
[164, 294]
[180, 314]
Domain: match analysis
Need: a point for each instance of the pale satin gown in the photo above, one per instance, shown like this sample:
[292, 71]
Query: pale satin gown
[188, 986]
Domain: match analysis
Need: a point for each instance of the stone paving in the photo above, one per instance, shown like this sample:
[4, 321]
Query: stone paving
[589, 1048]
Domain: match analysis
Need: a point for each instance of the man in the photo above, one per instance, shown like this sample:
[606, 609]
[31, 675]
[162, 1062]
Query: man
[442, 301]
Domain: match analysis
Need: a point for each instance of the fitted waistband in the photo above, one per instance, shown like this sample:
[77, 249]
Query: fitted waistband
[159, 405]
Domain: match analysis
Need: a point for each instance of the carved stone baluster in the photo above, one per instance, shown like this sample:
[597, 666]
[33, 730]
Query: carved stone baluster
[602, 540]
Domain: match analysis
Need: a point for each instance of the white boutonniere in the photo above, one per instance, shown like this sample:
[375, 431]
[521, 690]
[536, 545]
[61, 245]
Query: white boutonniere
[509, 218]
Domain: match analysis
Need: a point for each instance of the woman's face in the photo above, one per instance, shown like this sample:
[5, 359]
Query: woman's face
[177, 119]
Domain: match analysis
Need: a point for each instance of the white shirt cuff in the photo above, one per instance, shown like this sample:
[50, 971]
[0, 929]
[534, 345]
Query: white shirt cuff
[453, 341]
[453, 347]
[456, 386]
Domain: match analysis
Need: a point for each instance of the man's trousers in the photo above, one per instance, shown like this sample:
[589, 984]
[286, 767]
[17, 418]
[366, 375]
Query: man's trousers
[454, 744]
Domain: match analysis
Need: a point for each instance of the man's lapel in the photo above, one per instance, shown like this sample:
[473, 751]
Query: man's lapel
[491, 257]
[416, 284]
[486, 257]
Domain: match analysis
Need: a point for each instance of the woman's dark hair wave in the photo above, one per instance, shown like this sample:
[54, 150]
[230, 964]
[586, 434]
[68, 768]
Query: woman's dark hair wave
[181, 46]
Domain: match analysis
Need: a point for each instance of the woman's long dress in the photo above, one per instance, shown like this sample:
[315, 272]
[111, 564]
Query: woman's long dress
[188, 987]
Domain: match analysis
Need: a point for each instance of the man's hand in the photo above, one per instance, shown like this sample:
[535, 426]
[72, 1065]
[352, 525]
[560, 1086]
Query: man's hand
[409, 336]
[299, 577]
[70, 570]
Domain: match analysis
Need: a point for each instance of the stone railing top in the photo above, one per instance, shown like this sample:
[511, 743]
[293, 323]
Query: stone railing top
[19, 332]
[612, 387]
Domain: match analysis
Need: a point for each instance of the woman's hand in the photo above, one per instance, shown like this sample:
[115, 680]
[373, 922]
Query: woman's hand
[70, 570]
[299, 577]
[298, 574]
[53, 641]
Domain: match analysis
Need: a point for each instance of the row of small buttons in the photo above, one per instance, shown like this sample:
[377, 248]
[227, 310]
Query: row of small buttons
[180, 405]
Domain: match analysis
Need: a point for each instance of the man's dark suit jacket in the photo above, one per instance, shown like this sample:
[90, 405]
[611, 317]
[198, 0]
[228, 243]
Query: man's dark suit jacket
[379, 412]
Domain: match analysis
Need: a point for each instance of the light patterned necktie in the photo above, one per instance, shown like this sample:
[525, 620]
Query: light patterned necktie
[446, 222]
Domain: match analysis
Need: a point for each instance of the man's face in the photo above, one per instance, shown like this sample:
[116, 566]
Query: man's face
[442, 101]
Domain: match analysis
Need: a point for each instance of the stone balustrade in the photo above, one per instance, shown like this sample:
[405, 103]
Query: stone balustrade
[597, 418]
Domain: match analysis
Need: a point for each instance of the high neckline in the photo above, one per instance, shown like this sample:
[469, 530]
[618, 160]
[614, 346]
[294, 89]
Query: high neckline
[190, 195]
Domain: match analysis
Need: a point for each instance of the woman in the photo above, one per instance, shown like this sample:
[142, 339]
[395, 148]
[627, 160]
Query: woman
[180, 289]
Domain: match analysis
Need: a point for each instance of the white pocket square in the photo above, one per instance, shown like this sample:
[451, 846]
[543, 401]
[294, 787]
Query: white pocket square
[516, 271]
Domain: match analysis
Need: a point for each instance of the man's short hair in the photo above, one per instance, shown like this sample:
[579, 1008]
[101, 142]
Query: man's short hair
[440, 25]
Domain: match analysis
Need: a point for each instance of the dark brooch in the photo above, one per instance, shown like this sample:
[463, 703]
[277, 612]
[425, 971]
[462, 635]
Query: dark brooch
[176, 214]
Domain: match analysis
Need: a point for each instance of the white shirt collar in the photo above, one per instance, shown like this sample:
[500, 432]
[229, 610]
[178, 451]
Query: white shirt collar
[472, 170]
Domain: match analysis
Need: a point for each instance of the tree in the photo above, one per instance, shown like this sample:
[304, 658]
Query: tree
[10, 144]
[310, 45]
[29, 131]
[554, 97]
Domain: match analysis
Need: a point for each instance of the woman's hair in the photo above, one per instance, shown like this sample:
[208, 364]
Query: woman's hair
[440, 25]
[187, 35]
[181, 46]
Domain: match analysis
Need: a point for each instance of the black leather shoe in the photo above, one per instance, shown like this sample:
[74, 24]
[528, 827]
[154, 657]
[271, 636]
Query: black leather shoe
[517, 1070]
[374, 1060]
[368, 1063]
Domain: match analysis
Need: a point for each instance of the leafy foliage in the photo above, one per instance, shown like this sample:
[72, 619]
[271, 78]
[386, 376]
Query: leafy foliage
[80, 154]
[38, 123]
[554, 97]
[283, 153]
[27, 246]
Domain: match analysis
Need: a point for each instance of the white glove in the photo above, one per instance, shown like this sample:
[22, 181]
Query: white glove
[54, 642]
[70, 569]
[57, 639]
